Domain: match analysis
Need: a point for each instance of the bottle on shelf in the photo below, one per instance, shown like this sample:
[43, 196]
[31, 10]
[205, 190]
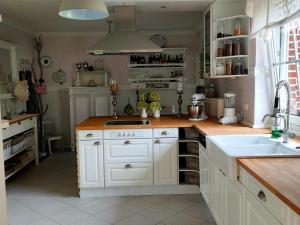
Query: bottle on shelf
[228, 67]
[150, 60]
[181, 58]
[238, 67]
[237, 27]
[176, 59]
[220, 30]
[220, 50]
[169, 59]
[228, 48]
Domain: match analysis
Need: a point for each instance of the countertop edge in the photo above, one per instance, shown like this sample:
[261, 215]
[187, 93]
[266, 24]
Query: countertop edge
[283, 198]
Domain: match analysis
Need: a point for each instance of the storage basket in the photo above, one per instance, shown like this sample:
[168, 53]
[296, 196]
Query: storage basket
[189, 177]
[191, 134]
[192, 147]
[7, 149]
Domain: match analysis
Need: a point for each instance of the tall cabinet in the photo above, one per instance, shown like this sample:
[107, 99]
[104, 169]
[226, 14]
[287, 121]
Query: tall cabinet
[87, 102]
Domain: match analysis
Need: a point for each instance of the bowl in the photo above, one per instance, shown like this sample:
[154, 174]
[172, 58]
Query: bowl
[194, 111]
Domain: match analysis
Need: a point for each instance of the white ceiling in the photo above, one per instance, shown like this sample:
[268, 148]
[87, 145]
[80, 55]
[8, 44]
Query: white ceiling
[41, 15]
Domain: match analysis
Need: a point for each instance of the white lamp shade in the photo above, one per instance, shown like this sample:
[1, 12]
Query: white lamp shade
[83, 9]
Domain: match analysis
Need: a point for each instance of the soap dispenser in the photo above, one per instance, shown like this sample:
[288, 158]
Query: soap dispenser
[276, 131]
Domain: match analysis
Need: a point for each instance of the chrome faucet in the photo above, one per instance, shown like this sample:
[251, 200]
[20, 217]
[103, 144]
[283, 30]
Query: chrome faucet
[286, 134]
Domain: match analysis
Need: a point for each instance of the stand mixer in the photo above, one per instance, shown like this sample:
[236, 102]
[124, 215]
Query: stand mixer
[196, 110]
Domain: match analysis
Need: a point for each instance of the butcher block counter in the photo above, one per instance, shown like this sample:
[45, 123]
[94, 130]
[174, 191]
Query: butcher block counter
[280, 175]
[206, 127]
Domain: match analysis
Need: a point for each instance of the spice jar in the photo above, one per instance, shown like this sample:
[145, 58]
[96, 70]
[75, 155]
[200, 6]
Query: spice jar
[228, 48]
[237, 27]
[236, 47]
[228, 67]
[220, 51]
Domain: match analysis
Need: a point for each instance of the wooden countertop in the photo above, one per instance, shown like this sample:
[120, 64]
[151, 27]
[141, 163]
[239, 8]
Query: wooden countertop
[280, 175]
[207, 127]
[18, 118]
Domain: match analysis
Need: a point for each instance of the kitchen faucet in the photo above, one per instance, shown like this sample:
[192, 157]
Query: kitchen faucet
[286, 134]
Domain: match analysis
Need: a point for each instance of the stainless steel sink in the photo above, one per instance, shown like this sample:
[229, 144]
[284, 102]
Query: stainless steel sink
[126, 122]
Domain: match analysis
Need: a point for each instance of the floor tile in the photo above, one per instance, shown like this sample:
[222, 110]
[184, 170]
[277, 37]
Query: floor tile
[116, 200]
[44, 222]
[199, 211]
[26, 217]
[136, 205]
[155, 198]
[177, 203]
[159, 213]
[182, 219]
[114, 214]
[91, 221]
[137, 220]
[69, 217]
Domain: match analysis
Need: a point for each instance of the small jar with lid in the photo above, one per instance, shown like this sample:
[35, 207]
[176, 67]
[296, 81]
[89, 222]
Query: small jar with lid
[228, 67]
[238, 67]
[210, 92]
[228, 48]
[220, 68]
[220, 50]
[236, 47]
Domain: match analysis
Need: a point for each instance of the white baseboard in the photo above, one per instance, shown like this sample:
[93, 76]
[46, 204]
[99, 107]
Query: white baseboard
[139, 190]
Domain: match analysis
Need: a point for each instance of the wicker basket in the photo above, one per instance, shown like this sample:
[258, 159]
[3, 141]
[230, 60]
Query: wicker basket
[192, 147]
[190, 178]
[191, 134]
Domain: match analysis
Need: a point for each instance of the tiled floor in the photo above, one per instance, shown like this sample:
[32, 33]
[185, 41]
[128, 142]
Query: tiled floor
[47, 195]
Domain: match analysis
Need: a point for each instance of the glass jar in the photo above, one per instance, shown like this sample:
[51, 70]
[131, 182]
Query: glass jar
[237, 27]
[228, 48]
[220, 68]
[228, 67]
[220, 51]
[210, 92]
[236, 47]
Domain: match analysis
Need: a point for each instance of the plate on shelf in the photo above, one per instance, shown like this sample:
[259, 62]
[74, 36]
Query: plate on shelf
[159, 40]
[59, 77]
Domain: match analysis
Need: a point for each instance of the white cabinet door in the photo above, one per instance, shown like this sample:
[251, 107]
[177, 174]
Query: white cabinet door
[128, 174]
[91, 164]
[204, 174]
[128, 150]
[235, 203]
[82, 107]
[256, 214]
[217, 197]
[165, 161]
[101, 104]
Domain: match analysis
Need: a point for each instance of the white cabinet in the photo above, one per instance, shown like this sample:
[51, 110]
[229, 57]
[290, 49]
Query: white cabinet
[256, 214]
[217, 197]
[128, 150]
[165, 161]
[91, 164]
[87, 102]
[204, 173]
[235, 203]
[128, 174]
[292, 218]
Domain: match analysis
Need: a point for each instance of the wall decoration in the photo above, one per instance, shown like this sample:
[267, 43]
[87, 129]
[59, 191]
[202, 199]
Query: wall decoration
[46, 61]
[59, 77]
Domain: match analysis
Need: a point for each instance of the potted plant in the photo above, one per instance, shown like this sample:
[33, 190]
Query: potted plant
[142, 105]
[153, 98]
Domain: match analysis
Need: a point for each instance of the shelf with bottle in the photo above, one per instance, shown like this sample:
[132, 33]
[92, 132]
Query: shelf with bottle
[231, 67]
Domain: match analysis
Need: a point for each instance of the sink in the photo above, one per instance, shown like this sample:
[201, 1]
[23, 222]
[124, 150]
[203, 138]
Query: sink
[126, 122]
[225, 149]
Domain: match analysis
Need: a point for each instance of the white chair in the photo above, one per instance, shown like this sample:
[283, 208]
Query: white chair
[49, 134]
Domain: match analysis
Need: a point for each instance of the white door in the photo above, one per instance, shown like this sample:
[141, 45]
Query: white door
[204, 174]
[91, 164]
[256, 214]
[235, 203]
[101, 104]
[165, 161]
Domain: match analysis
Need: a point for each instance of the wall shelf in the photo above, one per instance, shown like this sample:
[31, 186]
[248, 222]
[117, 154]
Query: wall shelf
[227, 76]
[158, 65]
[231, 18]
[232, 37]
[19, 168]
[232, 57]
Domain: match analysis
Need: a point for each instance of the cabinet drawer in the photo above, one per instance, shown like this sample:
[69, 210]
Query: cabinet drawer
[128, 150]
[127, 133]
[165, 132]
[18, 128]
[90, 134]
[264, 196]
[128, 174]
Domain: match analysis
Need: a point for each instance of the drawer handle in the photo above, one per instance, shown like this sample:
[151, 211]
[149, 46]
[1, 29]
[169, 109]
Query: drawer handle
[165, 133]
[157, 142]
[127, 142]
[97, 143]
[128, 166]
[89, 135]
[222, 172]
[261, 195]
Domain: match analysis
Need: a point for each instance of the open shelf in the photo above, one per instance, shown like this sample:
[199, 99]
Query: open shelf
[227, 76]
[232, 57]
[172, 65]
[19, 168]
[232, 37]
[16, 153]
[231, 18]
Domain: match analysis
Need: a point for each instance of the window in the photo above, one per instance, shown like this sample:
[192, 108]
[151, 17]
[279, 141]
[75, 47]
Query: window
[284, 55]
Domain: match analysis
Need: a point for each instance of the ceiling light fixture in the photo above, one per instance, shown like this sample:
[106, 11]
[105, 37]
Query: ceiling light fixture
[83, 9]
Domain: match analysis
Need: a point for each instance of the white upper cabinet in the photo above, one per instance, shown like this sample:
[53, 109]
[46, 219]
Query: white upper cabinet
[165, 161]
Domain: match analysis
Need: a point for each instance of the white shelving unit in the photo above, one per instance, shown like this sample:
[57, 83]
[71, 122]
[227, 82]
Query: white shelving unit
[210, 35]
[157, 75]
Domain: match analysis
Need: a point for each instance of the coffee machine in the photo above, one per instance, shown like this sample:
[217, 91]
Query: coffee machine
[229, 116]
[196, 109]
